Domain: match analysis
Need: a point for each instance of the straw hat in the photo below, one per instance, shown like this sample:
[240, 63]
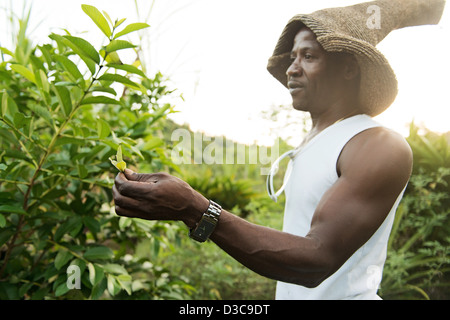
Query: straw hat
[355, 30]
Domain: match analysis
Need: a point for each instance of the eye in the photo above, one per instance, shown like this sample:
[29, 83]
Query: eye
[308, 56]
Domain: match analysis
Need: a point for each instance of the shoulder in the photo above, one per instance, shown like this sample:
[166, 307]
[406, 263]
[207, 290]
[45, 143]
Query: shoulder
[379, 152]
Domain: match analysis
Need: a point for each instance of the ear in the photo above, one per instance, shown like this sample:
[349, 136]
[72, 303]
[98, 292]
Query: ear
[351, 69]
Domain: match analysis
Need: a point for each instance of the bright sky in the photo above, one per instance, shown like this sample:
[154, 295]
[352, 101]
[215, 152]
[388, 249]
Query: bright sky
[216, 54]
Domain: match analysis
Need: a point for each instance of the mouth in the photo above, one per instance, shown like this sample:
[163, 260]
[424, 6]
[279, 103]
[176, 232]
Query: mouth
[294, 86]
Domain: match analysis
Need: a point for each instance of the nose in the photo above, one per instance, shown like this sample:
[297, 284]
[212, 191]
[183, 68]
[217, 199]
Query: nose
[294, 70]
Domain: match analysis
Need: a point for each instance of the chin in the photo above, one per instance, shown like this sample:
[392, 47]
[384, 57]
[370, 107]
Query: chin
[300, 106]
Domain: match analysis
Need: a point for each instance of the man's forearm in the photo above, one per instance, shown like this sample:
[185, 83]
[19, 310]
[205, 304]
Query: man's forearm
[269, 252]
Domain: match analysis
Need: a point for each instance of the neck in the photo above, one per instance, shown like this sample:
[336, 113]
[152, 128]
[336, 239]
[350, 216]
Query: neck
[341, 108]
[331, 116]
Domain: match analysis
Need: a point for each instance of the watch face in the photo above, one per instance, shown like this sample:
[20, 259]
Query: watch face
[204, 229]
[201, 230]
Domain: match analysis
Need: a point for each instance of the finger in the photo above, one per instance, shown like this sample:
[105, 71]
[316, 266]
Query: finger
[124, 201]
[136, 190]
[134, 176]
[120, 178]
[130, 174]
[126, 212]
[119, 182]
[144, 177]
[122, 183]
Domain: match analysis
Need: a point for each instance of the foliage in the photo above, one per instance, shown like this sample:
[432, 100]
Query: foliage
[418, 263]
[225, 189]
[61, 119]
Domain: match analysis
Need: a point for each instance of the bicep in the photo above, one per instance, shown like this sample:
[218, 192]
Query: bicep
[349, 213]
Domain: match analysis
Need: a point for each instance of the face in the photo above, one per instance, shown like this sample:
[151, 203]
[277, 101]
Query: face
[314, 76]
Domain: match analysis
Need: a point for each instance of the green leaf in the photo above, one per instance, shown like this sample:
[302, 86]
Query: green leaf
[71, 224]
[4, 106]
[128, 68]
[84, 47]
[131, 28]
[118, 78]
[96, 273]
[65, 84]
[5, 208]
[90, 63]
[98, 253]
[104, 89]
[117, 45]
[69, 66]
[61, 290]
[62, 258]
[70, 140]
[119, 22]
[44, 81]
[107, 17]
[20, 120]
[113, 285]
[82, 171]
[6, 51]
[103, 129]
[92, 274]
[98, 289]
[119, 156]
[24, 71]
[99, 99]
[2, 221]
[119, 164]
[112, 57]
[98, 19]
[115, 268]
[124, 281]
[64, 97]
[124, 223]
[92, 224]
[41, 112]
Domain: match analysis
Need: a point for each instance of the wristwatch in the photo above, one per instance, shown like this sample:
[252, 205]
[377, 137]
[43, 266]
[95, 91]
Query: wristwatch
[207, 223]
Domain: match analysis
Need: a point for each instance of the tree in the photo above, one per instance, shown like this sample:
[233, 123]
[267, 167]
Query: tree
[61, 118]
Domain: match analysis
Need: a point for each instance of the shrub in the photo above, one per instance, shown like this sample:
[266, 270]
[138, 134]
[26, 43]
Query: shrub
[418, 262]
[61, 118]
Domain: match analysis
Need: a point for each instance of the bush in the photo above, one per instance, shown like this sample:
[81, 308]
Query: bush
[418, 263]
[230, 192]
[60, 120]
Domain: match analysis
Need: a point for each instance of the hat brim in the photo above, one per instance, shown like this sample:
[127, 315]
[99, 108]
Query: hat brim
[378, 85]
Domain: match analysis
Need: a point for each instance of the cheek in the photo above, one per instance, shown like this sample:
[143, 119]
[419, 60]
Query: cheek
[320, 83]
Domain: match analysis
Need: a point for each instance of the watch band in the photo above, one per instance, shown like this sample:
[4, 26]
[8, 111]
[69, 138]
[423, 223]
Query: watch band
[207, 223]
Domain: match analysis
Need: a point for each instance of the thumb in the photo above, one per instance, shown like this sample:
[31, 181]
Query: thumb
[131, 175]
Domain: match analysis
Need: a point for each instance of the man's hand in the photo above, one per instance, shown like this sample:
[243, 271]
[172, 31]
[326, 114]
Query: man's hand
[157, 196]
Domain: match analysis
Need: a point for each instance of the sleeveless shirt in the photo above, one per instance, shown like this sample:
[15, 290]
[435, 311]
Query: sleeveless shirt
[313, 172]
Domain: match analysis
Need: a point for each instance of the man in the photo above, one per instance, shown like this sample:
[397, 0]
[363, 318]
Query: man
[345, 181]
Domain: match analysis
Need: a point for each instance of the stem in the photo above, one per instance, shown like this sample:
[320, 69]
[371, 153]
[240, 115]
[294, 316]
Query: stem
[48, 151]
[76, 255]
[21, 133]
[55, 138]
[47, 191]
[15, 182]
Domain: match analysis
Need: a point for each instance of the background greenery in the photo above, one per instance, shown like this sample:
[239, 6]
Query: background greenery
[65, 108]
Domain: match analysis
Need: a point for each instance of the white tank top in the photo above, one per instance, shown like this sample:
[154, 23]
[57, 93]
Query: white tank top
[313, 173]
